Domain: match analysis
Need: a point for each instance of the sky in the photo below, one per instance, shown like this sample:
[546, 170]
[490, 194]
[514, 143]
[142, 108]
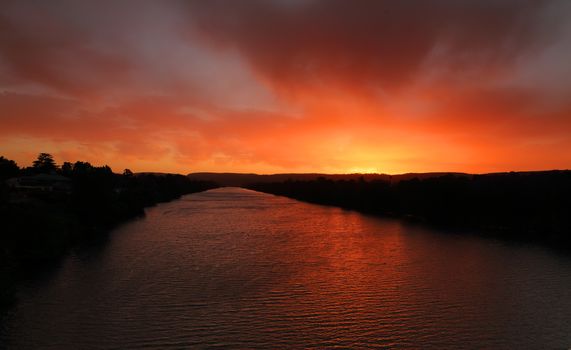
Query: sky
[334, 86]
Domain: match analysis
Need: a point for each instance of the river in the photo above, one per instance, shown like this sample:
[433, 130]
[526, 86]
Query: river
[234, 268]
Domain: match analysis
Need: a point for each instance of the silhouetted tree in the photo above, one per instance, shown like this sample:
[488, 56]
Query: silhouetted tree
[127, 172]
[82, 168]
[67, 169]
[8, 168]
[44, 163]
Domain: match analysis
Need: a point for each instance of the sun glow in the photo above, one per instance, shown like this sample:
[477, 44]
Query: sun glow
[350, 93]
[363, 170]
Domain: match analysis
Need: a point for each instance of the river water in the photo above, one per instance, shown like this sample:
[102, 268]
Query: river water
[233, 268]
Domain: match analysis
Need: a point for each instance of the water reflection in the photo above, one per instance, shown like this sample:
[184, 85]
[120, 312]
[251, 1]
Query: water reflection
[236, 268]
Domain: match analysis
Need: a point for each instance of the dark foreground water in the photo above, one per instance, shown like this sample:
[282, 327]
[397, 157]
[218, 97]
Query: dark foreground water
[232, 268]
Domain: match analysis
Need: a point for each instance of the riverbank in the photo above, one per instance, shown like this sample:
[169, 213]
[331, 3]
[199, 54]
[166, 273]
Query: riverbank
[44, 215]
[530, 206]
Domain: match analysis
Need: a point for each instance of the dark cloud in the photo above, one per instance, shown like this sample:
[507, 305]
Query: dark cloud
[370, 43]
[37, 47]
[282, 85]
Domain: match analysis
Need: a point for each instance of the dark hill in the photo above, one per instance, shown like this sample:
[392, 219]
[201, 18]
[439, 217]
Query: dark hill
[240, 180]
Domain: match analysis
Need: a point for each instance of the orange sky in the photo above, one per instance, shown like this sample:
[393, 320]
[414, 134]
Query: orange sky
[288, 86]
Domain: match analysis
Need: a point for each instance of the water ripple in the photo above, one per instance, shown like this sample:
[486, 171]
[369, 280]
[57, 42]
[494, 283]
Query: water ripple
[232, 268]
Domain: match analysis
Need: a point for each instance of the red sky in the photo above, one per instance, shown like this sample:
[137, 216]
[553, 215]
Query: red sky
[288, 86]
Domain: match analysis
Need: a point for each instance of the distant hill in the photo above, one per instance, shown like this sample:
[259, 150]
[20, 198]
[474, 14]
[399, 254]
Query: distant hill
[238, 180]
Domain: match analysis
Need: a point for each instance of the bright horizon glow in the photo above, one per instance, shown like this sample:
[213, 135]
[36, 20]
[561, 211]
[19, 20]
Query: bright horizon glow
[334, 87]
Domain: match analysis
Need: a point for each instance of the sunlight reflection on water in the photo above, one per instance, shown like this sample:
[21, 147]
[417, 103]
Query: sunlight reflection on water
[236, 268]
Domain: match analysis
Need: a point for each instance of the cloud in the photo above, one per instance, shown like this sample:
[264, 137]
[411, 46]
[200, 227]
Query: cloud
[369, 45]
[269, 86]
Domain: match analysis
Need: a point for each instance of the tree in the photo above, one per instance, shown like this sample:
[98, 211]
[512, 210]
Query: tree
[45, 163]
[127, 173]
[67, 169]
[82, 168]
[8, 168]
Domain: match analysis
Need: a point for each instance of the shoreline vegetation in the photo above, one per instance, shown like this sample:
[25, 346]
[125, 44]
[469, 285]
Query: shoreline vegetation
[527, 206]
[46, 209]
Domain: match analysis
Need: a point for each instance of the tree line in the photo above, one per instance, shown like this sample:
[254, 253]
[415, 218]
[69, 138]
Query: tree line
[39, 225]
[534, 206]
